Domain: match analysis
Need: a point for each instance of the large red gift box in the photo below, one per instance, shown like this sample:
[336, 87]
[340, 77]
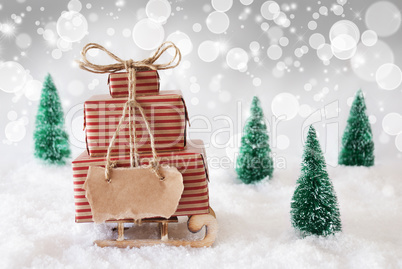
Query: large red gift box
[147, 83]
[165, 112]
[191, 162]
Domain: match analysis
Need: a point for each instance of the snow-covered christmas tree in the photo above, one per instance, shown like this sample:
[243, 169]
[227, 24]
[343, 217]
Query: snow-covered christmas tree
[314, 207]
[357, 140]
[254, 162]
[51, 140]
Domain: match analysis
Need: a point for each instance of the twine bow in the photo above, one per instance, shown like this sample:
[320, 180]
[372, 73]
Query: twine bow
[129, 107]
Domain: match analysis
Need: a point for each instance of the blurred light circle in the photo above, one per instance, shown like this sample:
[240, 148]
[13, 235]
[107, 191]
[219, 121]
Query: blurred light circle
[246, 2]
[316, 40]
[72, 26]
[218, 22]
[57, 54]
[256, 82]
[12, 77]
[298, 53]
[270, 10]
[372, 119]
[254, 46]
[264, 26]
[344, 54]
[285, 104]
[367, 60]
[383, 17]
[182, 41]
[74, 5]
[304, 49]
[283, 41]
[195, 101]
[312, 25]
[337, 9]
[222, 5]
[398, 142]
[342, 2]
[274, 52]
[277, 73]
[308, 87]
[281, 19]
[197, 27]
[147, 34]
[281, 66]
[275, 33]
[323, 10]
[158, 10]
[195, 87]
[343, 42]
[110, 31]
[237, 58]
[64, 45]
[324, 52]
[369, 38]
[75, 87]
[208, 51]
[33, 90]
[392, 123]
[282, 142]
[23, 41]
[126, 32]
[15, 131]
[344, 35]
[305, 111]
[12, 115]
[388, 76]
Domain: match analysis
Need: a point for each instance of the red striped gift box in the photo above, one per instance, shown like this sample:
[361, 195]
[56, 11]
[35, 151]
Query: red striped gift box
[166, 114]
[191, 162]
[147, 83]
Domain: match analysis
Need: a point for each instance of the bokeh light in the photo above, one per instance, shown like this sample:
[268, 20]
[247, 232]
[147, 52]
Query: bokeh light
[147, 34]
[72, 26]
[388, 76]
[285, 104]
[218, 22]
[384, 18]
[208, 51]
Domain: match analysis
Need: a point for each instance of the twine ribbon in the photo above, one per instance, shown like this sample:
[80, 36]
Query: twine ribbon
[130, 106]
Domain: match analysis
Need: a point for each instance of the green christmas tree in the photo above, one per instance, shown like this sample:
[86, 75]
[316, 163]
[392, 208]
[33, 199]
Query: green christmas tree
[314, 207]
[254, 162]
[357, 141]
[51, 140]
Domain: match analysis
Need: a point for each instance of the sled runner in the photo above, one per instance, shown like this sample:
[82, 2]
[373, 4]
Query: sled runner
[194, 224]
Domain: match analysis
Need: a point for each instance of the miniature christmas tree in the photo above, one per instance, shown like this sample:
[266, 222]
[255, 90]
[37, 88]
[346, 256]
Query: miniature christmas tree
[51, 140]
[254, 162]
[314, 207]
[357, 141]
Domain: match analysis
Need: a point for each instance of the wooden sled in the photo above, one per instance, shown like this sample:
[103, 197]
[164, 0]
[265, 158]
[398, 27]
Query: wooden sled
[194, 224]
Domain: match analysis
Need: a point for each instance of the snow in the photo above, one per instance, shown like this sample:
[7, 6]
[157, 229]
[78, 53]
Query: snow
[38, 228]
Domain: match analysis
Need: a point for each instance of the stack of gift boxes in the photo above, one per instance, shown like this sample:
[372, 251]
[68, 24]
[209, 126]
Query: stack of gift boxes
[167, 114]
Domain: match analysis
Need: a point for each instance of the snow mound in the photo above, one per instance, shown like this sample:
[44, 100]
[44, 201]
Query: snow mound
[38, 228]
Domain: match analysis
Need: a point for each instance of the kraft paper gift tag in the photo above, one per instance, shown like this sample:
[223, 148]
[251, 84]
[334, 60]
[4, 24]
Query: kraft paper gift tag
[133, 193]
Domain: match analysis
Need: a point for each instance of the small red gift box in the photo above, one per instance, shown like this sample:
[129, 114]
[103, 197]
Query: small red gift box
[165, 112]
[147, 83]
